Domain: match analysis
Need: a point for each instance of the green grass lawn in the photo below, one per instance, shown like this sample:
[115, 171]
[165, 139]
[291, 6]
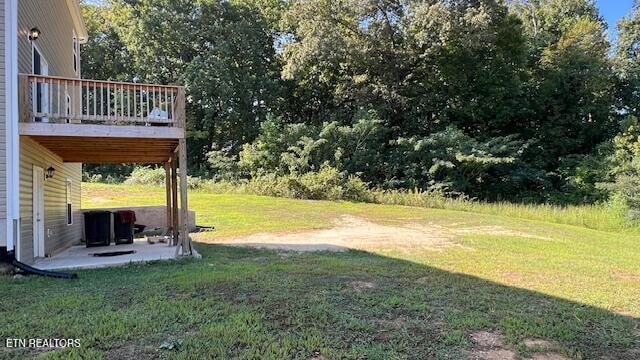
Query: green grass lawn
[578, 289]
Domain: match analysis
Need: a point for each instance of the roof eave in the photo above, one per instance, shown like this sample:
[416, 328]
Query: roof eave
[78, 21]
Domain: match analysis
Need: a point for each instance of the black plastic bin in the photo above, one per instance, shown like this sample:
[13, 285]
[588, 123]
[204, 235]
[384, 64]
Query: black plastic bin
[97, 228]
[123, 226]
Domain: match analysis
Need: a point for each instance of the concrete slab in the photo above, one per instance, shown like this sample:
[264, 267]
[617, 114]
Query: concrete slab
[81, 257]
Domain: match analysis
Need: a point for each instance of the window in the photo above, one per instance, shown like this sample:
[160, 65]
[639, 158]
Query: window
[69, 202]
[67, 107]
[76, 58]
[40, 92]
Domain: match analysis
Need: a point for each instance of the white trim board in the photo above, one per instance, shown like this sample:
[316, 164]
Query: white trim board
[12, 134]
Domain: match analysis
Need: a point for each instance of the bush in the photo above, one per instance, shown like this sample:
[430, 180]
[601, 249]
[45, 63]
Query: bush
[146, 176]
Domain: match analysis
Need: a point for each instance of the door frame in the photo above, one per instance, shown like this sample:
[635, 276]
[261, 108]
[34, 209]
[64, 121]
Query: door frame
[38, 211]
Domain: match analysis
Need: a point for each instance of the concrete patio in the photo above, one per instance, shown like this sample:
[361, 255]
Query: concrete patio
[81, 257]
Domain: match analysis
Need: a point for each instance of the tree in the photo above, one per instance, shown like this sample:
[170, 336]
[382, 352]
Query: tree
[221, 51]
[627, 62]
[571, 83]
[418, 64]
[104, 57]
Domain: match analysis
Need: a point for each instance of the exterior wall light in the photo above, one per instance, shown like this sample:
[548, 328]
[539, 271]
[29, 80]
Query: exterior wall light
[34, 34]
[51, 171]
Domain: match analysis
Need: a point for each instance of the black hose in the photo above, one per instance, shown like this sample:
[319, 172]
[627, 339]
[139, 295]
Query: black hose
[30, 270]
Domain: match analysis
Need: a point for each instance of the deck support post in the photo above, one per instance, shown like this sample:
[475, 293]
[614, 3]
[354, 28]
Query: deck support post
[169, 213]
[174, 200]
[185, 241]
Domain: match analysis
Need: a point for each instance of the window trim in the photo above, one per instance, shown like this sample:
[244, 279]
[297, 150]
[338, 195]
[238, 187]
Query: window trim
[44, 70]
[75, 51]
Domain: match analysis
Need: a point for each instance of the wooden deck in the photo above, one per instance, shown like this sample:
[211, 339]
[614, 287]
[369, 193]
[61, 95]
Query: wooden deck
[107, 122]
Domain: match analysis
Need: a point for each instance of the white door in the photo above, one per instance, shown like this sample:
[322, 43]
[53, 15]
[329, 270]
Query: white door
[38, 211]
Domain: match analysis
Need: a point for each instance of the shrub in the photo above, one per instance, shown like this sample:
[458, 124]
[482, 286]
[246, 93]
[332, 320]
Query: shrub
[146, 176]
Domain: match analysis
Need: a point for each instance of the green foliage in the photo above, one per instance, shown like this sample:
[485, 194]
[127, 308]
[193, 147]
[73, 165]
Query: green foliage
[494, 100]
[104, 56]
[223, 53]
[448, 160]
[326, 184]
[625, 169]
[627, 62]
[146, 176]
[570, 90]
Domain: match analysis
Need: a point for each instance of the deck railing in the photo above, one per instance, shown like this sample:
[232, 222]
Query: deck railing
[55, 99]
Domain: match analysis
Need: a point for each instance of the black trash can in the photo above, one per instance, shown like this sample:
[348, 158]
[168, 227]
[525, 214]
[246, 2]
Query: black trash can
[97, 228]
[123, 226]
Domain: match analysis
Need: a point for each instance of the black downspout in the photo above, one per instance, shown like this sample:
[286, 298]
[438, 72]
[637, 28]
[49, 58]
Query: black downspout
[9, 258]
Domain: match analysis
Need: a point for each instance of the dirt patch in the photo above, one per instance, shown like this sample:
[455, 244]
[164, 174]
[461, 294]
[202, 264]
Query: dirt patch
[395, 323]
[493, 354]
[487, 339]
[497, 230]
[539, 343]
[489, 345]
[548, 356]
[132, 350]
[360, 286]
[624, 275]
[352, 232]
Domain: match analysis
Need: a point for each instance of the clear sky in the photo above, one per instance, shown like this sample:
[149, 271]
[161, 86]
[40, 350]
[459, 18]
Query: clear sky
[614, 10]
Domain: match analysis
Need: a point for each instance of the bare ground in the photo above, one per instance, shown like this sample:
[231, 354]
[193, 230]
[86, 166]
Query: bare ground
[356, 233]
[489, 345]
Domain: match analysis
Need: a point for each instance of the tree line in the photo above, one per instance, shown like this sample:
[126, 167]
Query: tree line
[523, 100]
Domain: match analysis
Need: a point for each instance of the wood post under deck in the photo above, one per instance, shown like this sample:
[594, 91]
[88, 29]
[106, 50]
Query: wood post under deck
[169, 214]
[185, 241]
[177, 205]
[174, 199]
[178, 214]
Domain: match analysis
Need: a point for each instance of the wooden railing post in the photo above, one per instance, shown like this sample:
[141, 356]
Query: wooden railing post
[180, 112]
[25, 103]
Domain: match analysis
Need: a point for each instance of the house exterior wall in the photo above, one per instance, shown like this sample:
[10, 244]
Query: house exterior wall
[54, 20]
[3, 131]
[58, 235]
[55, 43]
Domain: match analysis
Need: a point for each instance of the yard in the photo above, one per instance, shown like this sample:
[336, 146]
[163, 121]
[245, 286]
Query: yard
[422, 283]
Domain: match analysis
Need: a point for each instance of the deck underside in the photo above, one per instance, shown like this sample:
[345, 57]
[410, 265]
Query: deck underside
[105, 144]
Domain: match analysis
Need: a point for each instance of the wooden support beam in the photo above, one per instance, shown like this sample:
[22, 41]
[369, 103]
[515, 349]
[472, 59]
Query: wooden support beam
[184, 208]
[174, 199]
[24, 99]
[169, 212]
[104, 131]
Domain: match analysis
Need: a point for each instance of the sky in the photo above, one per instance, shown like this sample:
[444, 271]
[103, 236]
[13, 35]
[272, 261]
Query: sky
[614, 10]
